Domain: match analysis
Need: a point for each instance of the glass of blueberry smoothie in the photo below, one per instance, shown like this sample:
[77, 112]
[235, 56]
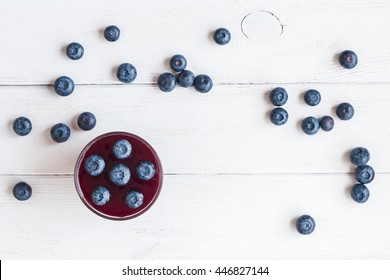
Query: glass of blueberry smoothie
[118, 176]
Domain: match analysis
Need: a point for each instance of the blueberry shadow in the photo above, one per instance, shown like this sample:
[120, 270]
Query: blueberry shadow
[113, 72]
[210, 36]
[167, 63]
[293, 223]
[336, 59]
[100, 33]
[63, 52]
[74, 124]
[347, 192]
[302, 97]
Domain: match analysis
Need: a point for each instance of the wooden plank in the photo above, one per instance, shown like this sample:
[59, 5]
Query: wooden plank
[32, 51]
[201, 217]
[226, 131]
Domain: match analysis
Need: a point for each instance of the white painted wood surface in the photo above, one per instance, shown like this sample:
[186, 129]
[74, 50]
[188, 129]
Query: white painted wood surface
[234, 183]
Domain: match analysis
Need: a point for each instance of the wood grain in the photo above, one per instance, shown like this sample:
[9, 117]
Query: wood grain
[226, 131]
[201, 217]
[314, 32]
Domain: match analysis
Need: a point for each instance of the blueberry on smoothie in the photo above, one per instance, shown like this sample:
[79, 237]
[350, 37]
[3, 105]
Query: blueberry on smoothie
[100, 196]
[134, 199]
[120, 174]
[94, 165]
[145, 170]
[121, 149]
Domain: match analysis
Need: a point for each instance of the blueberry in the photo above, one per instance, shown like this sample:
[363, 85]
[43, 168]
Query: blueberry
[359, 156]
[121, 149]
[222, 36]
[364, 174]
[64, 86]
[279, 116]
[22, 126]
[166, 82]
[100, 196]
[74, 51]
[278, 96]
[312, 97]
[120, 174]
[203, 83]
[345, 111]
[348, 59]
[360, 193]
[111, 33]
[22, 191]
[86, 121]
[145, 170]
[310, 125]
[60, 133]
[134, 199]
[94, 165]
[185, 78]
[178, 63]
[126, 73]
[305, 224]
[327, 123]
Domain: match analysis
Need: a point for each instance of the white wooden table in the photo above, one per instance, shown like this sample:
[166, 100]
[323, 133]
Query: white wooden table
[234, 183]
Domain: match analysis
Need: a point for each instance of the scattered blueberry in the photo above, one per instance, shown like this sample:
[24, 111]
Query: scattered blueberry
[359, 156]
[360, 193]
[134, 199]
[312, 97]
[310, 125]
[279, 116]
[126, 73]
[94, 165]
[64, 86]
[121, 149]
[86, 121]
[348, 59]
[305, 224]
[203, 83]
[120, 174]
[111, 33]
[222, 36]
[74, 51]
[178, 63]
[345, 111]
[22, 191]
[22, 126]
[364, 174]
[327, 123]
[166, 82]
[145, 170]
[60, 133]
[100, 196]
[278, 96]
[185, 78]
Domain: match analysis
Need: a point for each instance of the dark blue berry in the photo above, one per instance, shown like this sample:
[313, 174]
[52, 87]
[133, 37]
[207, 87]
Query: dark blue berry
[345, 111]
[166, 82]
[22, 191]
[310, 125]
[327, 123]
[185, 78]
[74, 51]
[120, 174]
[360, 193]
[121, 149]
[203, 83]
[359, 156]
[278, 96]
[312, 97]
[279, 116]
[100, 196]
[22, 126]
[86, 121]
[94, 165]
[348, 59]
[60, 133]
[64, 86]
[222, 36]
[134, 199]
[145, 170]
[178, 63]
[364, 174]
[111, 33]
[126, 73]
[305, 224]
